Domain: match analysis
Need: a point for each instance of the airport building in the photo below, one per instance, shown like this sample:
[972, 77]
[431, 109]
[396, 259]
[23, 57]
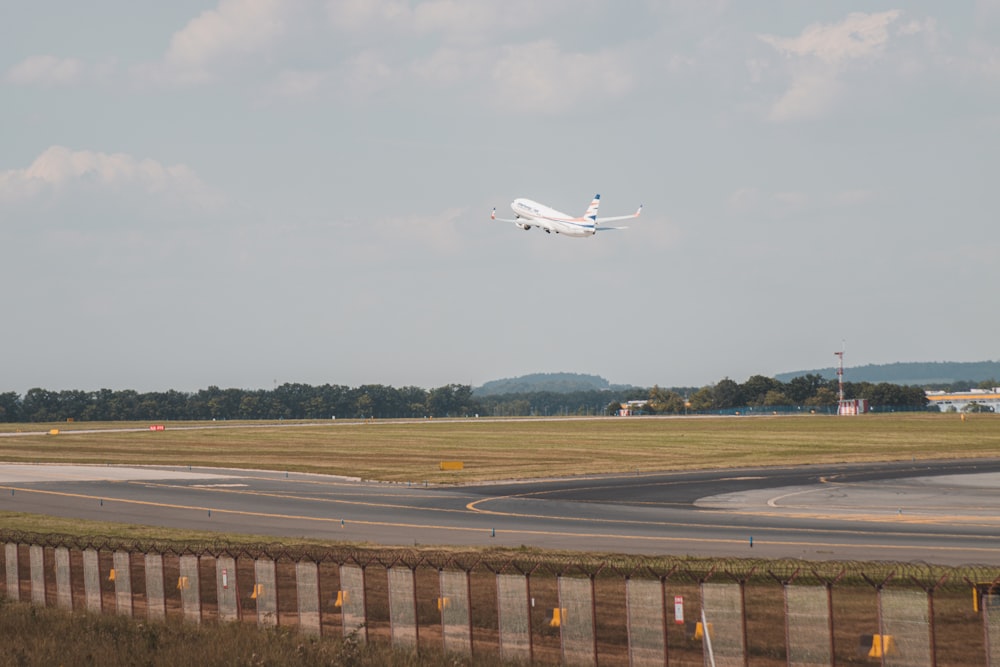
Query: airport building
[958, 400]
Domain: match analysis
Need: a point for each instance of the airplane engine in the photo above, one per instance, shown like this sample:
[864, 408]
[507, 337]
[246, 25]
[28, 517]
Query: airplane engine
[523, 226]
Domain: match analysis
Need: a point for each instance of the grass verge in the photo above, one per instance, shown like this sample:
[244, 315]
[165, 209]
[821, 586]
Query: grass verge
[504, 449]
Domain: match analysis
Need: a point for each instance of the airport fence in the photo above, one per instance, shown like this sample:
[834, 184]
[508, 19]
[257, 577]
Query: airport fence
[531, 607]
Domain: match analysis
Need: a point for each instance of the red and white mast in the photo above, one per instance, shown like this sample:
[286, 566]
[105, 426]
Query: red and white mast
[840, 375]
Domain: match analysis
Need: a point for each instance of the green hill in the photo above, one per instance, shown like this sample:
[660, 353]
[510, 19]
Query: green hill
[911, 373]
[558, 383]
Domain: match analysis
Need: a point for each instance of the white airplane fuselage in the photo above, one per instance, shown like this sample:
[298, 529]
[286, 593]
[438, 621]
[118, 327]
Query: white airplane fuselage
[534, 214]
[529, 213]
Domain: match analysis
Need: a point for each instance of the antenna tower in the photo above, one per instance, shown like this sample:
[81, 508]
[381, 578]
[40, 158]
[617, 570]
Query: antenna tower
[840, 374]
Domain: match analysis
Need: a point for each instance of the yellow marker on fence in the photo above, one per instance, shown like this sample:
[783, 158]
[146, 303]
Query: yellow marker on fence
[341, 599]
[111, 575]
[443, 603]
[699, 631]
[452, 465]
[558, 613]
[882, 645]
[182, 583]
[258, 591]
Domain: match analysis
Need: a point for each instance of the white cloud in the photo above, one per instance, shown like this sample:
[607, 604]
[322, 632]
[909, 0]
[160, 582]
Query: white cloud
[367, 74]
[46, 70]
[235, 29]
[823, 52]
[352, 15]
[744, 199]
[811, 94]
[858, 36]
[60, 170]
[453, 20]
[538, 77]
[983, 61]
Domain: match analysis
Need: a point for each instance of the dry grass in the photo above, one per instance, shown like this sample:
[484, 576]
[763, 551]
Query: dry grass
[39, 636]
[491, 450]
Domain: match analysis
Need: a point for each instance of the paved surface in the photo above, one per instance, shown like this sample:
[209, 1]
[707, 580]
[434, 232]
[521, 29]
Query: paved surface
[942, 512]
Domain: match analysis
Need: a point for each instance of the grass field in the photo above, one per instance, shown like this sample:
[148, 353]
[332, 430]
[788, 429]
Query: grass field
[504, 449]
[490, 449]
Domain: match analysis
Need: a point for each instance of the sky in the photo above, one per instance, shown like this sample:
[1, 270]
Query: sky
[245, 193]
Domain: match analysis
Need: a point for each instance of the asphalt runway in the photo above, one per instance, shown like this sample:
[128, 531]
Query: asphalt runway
[945, 512]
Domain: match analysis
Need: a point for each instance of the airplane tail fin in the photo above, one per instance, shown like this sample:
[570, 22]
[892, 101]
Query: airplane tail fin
[591, 213]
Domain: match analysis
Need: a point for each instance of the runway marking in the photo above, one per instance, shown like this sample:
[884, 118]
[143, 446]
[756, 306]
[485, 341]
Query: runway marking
[911, 517]
[548, 533]
[657, 524]
[211, 487]
[832, 531]
[598, 488]
[773, 502]
[287, 496]
[514, 532]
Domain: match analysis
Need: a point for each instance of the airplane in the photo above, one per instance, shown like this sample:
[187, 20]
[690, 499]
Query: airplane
[530, 214]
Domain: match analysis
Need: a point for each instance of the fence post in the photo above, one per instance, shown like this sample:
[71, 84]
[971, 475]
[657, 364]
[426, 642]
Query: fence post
[226, 585]
[36, 556]
[64, 587]
[123, 583]
[353, 606]
[307, 597]
[13, 576]
[403, 606]
[92, 580]
[266, 591]
[190, 587]
[156, 604]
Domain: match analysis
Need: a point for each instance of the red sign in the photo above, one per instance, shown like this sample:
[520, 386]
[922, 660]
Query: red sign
[156, 427]
[679, 609]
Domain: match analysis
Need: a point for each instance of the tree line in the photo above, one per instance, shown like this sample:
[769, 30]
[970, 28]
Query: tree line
[810, 391]
[288, 401]
[302, 401]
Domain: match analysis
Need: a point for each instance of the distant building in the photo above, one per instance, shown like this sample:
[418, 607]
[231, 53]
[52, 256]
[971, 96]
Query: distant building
[853, 406]
[630, 408]
[958, 400]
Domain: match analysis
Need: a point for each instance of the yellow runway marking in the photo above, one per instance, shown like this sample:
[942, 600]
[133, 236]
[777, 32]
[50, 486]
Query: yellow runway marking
[548, 533]
[288, 496]
[667, 524]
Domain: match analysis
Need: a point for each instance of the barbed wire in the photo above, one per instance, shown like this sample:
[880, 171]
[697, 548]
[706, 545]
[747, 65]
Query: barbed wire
[616, 566]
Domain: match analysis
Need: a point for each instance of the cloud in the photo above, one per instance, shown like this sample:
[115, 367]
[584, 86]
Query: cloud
[822, 53]
[811, 94]
[538, 77]
[453, 20]
[62, 172]
[366, 74]
[858, 36]
[235, 29]
[46, 71]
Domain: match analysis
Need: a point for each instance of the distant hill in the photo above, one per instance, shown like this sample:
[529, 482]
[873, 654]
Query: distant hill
[911, 373]
[559, 383]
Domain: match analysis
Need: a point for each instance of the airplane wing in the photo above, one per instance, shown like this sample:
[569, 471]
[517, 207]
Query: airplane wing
[610, 229]
[493, 216]
[618, 217]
